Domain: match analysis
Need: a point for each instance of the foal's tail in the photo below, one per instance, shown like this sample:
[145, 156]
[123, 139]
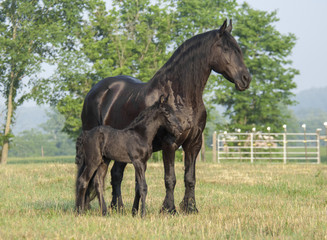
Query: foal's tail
[80, 155]
[80, 162]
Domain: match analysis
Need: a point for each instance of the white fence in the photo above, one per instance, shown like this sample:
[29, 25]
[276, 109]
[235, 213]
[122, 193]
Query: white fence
[285, 147]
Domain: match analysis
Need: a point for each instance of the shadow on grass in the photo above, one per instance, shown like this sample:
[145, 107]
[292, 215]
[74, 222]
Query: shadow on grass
[42, 160]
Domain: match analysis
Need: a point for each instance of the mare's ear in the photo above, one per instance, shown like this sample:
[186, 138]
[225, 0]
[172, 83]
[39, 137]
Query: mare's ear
[223, 27]
[230, 26]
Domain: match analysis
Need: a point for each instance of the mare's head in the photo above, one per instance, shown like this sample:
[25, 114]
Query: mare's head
[171, 123]
[227, 58]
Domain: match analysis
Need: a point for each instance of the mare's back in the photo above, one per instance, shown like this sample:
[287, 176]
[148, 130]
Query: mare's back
[108, 102]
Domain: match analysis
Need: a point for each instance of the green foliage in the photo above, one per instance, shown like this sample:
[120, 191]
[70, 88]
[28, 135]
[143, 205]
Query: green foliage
[195, 16]
[32, 33]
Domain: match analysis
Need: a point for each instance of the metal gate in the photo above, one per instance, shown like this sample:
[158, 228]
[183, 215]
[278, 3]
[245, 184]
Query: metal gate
[283, 147]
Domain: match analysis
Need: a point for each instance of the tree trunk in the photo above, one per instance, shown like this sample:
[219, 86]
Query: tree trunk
[5, 147]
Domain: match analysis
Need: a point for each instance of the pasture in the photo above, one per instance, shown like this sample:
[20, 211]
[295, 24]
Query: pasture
[235, 201]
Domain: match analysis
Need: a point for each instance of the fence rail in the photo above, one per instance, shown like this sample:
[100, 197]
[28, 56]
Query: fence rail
[267, 146]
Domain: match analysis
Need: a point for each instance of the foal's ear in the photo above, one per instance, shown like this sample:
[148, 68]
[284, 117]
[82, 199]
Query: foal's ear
[161, 99]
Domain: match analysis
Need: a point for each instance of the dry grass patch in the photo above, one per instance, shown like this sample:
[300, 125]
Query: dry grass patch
[235, 201]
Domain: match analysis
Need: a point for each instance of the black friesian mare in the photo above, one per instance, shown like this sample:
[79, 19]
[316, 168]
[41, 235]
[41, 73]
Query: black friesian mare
[132, 144]
[116, 101]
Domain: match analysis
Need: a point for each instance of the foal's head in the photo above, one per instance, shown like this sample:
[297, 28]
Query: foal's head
[171, 123]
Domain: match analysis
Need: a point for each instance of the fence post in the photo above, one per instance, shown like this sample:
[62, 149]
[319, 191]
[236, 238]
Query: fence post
[284, 147]
[251, 134]
[217, 145]
[214, 144]
[203, 149]
[318, 145]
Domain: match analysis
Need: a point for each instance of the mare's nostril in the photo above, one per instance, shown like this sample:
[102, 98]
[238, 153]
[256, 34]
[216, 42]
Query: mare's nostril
[245, 78]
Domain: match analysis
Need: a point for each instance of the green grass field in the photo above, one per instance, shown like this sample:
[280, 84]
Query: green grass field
[235, 201]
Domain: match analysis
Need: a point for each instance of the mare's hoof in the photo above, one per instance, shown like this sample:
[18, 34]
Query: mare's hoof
[172, 211]
[117, 207]
[188, 207]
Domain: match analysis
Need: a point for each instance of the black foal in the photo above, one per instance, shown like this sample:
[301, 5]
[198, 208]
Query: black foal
[130, 145]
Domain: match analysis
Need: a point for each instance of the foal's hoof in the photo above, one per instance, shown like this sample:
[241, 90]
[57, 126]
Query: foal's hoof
[104, 212]
[188, 207]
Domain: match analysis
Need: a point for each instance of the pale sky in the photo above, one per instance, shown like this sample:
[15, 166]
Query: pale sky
[307, 19]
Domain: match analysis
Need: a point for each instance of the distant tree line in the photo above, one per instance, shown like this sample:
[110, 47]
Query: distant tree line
[86, 41]
[47, 140]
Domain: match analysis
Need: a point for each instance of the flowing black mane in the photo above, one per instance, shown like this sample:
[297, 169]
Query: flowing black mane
[196, 47]
[191, 46]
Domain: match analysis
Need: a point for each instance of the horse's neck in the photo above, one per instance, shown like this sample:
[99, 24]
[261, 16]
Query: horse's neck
[185, 74]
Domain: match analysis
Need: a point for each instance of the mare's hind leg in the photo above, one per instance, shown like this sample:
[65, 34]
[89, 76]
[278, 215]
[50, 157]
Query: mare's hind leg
[192, 148]
[99, 186]
[117, 173]
[81, 186]
[141, 187]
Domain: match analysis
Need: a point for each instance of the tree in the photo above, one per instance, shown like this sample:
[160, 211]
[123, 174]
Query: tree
[132, 38]
[137, 37]
[266, 53]
[31, 32]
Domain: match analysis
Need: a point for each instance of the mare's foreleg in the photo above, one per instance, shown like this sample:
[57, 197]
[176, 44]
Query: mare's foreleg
[117, 173]
[191, 149]
[168, 154]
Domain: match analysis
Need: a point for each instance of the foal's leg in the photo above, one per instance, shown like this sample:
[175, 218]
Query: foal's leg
[91, 187]
[117, 173]
[99, 186]
[142, 187]
[136, 198]
[82, 184]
